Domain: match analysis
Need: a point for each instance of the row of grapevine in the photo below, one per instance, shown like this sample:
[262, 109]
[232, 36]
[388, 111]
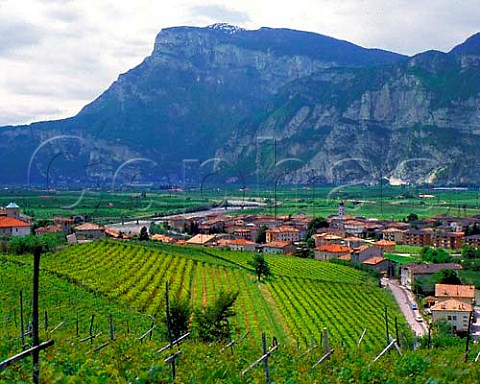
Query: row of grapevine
[136, 276]
[310, 305]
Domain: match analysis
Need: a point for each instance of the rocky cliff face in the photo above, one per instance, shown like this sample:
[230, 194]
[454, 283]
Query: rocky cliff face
[265, 104]
[416, 121]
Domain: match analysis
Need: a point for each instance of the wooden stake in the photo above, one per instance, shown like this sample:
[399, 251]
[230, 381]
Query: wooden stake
[324, 357]
[147, 333]
[174, 342]
[22, 326]
[326, 344]
[386, 322]
[46, 321]
[171, 360]
[263, 358]
[36, 342]
[387, 348]
[12, 360]
[112, 330]
[361, 337]
[91, 329]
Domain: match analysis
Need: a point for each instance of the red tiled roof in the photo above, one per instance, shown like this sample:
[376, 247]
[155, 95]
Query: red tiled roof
[452, 305]
[9, 222]
[283, 229]
[89, 227]
[384, 243]
[393, 230]
[334, 248]
[277, 244]
[48, 229]
[447, 290]
[163, 238]
[374, 260]
[361, 248]
[241, 242]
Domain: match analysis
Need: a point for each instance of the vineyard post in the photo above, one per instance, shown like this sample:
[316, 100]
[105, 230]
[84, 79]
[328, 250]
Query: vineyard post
[395, 345]
[387, 348]
[36, 342]
[22, 326]
[91, 329]
[386, 322]
[167, 315]
[478, 357]
[361, 337]
[429, 339]
[76, 323]
[396, 331]
[326, 344]
[151, 330]
[173, 356]
[265, 361]
[264, 357]
[112, 329]
[467, 342]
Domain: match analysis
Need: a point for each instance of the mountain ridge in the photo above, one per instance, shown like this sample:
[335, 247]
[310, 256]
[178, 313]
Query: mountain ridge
[203, 92]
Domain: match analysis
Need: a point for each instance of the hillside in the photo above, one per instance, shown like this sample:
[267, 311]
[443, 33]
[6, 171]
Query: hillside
[94, 279]
[290, 306]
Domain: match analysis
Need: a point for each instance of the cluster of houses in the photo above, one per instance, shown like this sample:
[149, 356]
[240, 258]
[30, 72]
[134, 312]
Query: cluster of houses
[356, 239]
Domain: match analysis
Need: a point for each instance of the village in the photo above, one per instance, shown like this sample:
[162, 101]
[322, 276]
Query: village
[350, 239]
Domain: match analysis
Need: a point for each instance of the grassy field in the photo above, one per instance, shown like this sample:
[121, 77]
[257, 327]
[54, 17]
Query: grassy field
[383, 203]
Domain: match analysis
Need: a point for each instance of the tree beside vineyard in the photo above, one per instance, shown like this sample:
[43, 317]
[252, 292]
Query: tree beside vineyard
[261, 266]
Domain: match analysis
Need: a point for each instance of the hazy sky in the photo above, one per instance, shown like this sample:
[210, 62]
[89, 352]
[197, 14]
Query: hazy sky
[58, 55]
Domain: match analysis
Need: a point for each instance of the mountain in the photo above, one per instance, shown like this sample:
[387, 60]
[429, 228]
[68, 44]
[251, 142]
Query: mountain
[239, 104]
[412, 121]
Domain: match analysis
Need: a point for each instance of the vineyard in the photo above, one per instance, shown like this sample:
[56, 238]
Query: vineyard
[302, 298]
[126, 283]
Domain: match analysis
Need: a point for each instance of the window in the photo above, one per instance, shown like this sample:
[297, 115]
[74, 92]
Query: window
[454, 317]
[449, 317]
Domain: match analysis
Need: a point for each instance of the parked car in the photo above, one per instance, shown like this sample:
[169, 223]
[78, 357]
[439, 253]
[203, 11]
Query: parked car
[414, 306]
[419, 318]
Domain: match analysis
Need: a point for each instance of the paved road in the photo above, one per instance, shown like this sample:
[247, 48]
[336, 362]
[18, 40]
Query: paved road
[133, 227]
[405, 299]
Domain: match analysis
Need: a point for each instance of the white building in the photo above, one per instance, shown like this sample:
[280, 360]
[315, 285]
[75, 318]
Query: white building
[456, 313]
[11, 224]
